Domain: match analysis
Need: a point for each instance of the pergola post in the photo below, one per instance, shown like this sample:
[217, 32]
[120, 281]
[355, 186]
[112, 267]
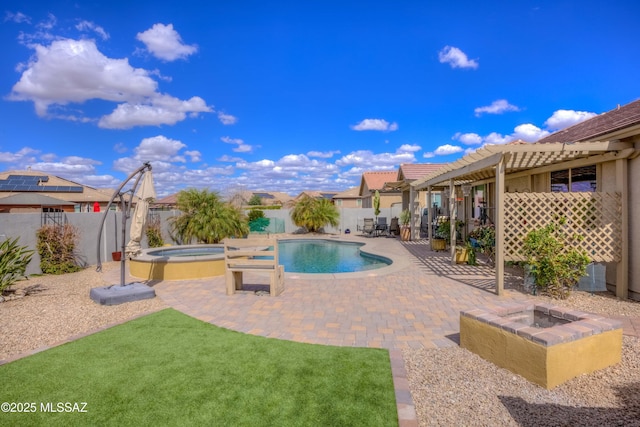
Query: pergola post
[412, 198]
[453, 214]
[622, 268]
[499, 226]
[429, 217]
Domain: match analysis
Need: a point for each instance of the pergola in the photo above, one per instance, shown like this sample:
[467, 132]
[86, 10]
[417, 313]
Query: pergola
[492, 163]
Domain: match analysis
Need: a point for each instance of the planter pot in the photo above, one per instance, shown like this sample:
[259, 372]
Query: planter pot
[439, 245]
[462, 255]
[116, 256]
[405, 234]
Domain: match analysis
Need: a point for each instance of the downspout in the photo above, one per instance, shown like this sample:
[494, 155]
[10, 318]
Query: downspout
[499, 225]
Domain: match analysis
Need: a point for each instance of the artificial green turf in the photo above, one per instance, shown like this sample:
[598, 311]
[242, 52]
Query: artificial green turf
[170, 369]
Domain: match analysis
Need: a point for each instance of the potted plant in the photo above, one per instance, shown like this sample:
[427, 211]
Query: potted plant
[442, 237]
[405, 229]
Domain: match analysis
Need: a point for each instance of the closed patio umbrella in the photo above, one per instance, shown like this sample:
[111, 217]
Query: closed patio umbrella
[146, 193]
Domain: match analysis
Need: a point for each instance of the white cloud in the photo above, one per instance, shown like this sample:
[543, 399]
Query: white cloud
[382, 161]
[562, 119]
[17, 17]
[75, 71]
[497, 107]
[226, 158]
[120, 148]
[21, 158]
[375, 124]
[159, 148]
[160, 110]
[227, 119]
[323, 155]
[445, 150]
[456, 58]
[241, 147]
[165, 43]
[90, 26]
[528, 132]
[409, 148]
[468, 138]
[194, 155]
[496, 138]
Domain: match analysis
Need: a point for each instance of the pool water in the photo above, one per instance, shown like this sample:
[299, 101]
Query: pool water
[191, 251]
[326, 256]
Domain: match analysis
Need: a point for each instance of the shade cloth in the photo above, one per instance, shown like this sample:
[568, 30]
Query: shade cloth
[146, 192]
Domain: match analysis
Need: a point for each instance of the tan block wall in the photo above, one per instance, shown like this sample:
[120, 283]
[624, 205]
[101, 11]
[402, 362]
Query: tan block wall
[547, 367]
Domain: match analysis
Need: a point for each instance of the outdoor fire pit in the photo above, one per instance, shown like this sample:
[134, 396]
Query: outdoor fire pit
[545, 344]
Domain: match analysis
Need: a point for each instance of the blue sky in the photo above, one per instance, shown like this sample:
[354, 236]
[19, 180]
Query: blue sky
[293, 96]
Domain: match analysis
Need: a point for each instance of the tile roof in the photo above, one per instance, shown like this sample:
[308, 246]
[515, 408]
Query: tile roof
[605, 123]
[376, 180]
[351, 193]
[33, 199]
[411, 171]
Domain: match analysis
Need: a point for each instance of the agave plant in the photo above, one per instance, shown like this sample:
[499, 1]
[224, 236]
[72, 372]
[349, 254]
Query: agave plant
[14, 260]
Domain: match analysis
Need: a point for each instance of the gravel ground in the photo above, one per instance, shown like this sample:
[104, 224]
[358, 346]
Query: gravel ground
[58, 308]
[449, 386]
[452, 386]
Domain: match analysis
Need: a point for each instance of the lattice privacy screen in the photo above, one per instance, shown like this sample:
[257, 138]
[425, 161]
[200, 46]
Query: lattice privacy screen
[595, 216]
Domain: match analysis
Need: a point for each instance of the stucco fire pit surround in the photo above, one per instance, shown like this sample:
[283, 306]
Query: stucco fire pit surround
[543, 343]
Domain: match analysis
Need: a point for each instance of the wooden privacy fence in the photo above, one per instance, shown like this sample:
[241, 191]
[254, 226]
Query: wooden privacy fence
[594, 216]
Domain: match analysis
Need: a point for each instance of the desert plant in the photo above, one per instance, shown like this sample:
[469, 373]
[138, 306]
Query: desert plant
[154, 233]
[555, 263]
[14, 260]
[313, 214]
[405, 217]
[206, 218]
[255, 200]
[471, 250]
[257, 221]
[56, 247]
[444, 231]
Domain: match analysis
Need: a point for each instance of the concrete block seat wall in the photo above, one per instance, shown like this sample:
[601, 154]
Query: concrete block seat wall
[252, 255]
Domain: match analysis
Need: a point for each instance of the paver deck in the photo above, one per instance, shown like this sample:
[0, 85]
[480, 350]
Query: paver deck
[413, 303]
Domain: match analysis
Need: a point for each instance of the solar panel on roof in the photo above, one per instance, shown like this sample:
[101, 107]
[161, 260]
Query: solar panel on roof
[33, 183]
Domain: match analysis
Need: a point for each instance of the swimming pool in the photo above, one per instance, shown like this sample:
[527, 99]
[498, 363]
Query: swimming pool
[313, 256]
[326, 256]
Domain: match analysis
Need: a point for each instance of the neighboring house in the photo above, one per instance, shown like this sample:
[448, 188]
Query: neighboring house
[272, 198]
[581, 173]
[313, 194]
[165, 203]
[414, 200]
[34, 203]
[72, 197]
[349, 198]
[372, 181]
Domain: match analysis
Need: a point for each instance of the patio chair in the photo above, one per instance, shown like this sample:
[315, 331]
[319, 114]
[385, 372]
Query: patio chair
[369, 227]
[394, 228]
[382, 226]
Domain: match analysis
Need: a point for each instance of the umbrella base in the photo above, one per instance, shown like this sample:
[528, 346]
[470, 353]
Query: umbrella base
[117, 294]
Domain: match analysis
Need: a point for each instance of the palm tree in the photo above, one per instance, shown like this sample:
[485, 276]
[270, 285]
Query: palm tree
[314, 214]
[206, 218]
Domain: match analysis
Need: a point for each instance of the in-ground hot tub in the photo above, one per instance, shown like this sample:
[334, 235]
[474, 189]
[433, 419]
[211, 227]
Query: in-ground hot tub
[545, 344]
[179, 262]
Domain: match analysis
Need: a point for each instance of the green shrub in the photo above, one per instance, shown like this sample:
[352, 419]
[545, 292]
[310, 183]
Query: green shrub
[555, 263]
[154, 233]
[56, 246]
[14, 260]
[255, 214]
